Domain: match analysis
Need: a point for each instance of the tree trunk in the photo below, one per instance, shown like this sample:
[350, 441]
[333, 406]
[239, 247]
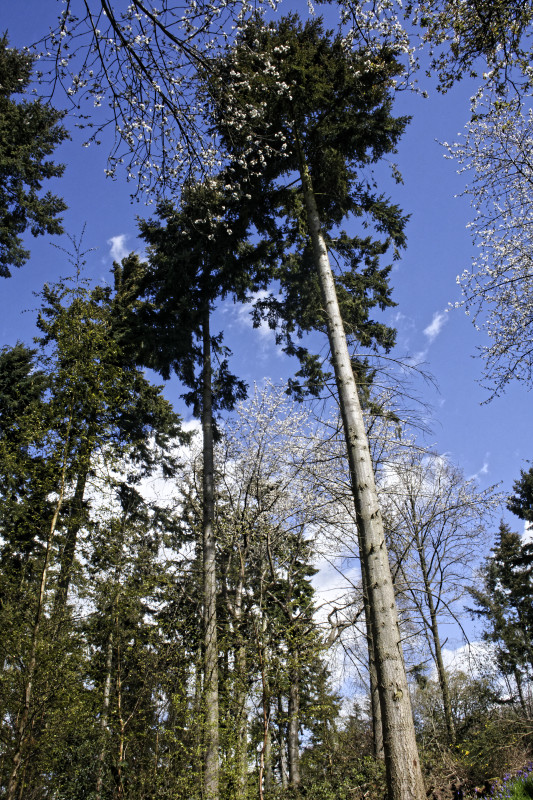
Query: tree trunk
[377, 724]
[211, 764]
[292, 730]
[69, 548]
[404, 775]
[441, 672]
[282, 754]
[24, 716]
[105, 716]
[269, 778]
[241, 716]
[519, 689]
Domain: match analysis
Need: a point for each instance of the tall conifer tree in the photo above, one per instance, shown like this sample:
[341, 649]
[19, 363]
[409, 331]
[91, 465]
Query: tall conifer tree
[198, 255]
[289, 100]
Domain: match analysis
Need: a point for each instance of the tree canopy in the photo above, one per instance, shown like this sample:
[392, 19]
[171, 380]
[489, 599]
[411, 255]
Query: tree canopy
[29, 132]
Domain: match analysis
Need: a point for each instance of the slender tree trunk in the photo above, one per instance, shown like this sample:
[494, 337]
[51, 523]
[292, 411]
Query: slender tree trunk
[293, 728]
[211, 765]
[377, 724]
[282, 754]
[269, 777]
[404, 775]
[443, 678]
[122, 731]
[105, 716]
[519, 689]
[265, 770]
[69, 548]
[24, 716]
[241, 717]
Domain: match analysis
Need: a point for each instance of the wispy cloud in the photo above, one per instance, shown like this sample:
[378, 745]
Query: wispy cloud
[431, 331]
[117, 247]
[245, 319]
[440, 318]
[483, 470]
[471, 658]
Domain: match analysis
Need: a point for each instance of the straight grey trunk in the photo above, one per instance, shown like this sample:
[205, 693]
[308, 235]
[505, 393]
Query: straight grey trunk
[404, 775]
[282, 754]
[269, 777]
[434, 627]
[211, 764]
[293, 726]
[105, 716]
[265, 771]
[377, 724]
[69, 548]
[241, 717]
[267, 736]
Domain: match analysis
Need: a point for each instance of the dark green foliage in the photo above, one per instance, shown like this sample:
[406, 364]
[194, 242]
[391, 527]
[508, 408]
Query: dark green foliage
[505, 602]
[72, 412]
[521, 503]
[23, 471]
[29, 133]
[332, 116]
[198, 255]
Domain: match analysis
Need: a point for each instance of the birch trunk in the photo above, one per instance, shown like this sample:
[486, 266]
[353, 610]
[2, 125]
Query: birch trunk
[404, 775]
[211, 764]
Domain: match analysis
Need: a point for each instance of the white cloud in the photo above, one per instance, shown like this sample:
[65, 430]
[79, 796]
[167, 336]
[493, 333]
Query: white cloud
[244, 317]
[117, 245]
[483, 470]
[436, 325]
[472, 658]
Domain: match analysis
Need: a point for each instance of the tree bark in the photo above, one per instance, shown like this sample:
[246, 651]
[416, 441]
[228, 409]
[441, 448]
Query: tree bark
[211, 763]
[269, 777]
[241, 717]
[292, 730]
[404, 775]
[69, 548]
[282, 754]
[105, 716]
[377, 724]
[441, 672]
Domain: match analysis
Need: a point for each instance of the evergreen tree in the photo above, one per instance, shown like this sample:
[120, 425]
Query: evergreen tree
[505, 602]
[29, 133]
[288, 100]
[521, 503]
[198, 255]
[86, 410]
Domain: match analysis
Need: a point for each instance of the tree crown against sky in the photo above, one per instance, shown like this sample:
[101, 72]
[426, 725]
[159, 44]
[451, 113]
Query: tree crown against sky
[198, 255]
[288, 90]
[136, 65]
[29, 133]
[488, 40]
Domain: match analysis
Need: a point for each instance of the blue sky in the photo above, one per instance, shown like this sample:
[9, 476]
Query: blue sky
[492, 441]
